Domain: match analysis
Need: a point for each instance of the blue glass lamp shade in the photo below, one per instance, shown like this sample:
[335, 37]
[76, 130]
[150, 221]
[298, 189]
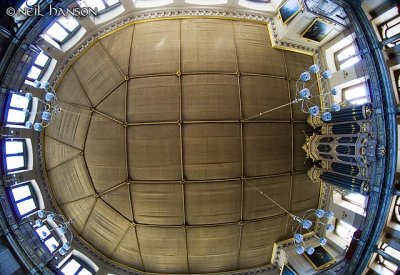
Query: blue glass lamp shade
[38, 223]
[319, 213]
[326, 116]
[62, 251]
[334, 91]
[26, 111]
[310, 250]
[335, 107]
[37, 84]
[41, 213]
[306, 224]
[323, 241]
[46, 116]
[28, 96]
[330, 227]
[314, 69]
[50, 217]
[305, 93]
[313, 110]
[329, 214]
[61, 230]
[45, 84]
[49, 97]
[38, 127]
[298, 238]
[299, 249]
[326, 75]
[66, 246]
[305, 76]
[29, 124]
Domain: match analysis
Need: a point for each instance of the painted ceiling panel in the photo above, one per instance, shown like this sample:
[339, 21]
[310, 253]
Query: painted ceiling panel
[159, 172]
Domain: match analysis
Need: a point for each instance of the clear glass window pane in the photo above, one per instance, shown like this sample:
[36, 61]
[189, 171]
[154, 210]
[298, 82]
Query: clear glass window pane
[112, 2]
[356, 198]
[349, 62]
[34, 72]
[393, 30]
[394, 21]
[14, 147]
[85, 272]
[346, 53]
[71, 267]
[28, 82]
[25, 207]
[15, 162]
[57, 32]
[43, 232]
[23, 6]
[356, 92]
[16, 116]
[345, 230]
[18, 101]
[21, 192]
[30, 3]
[68, 22]
[41, 60]
[51, 244]
[359, 101]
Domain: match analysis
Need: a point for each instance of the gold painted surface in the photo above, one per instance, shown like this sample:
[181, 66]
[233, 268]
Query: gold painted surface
[167, 152]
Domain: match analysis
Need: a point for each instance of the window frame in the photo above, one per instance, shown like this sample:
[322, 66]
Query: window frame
[383, 31]
[8, 107]
[381, 260]
[82, 263]
[51, 235]
[363, 205]
[107, 6]
[396, 210]
[16, 202]
[68, 37]
[356, 54]
[363, 84]
[41, 68]
[337, 225]
[24, 154]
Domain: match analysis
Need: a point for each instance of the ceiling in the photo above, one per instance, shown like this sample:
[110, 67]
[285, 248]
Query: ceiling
[151, 161]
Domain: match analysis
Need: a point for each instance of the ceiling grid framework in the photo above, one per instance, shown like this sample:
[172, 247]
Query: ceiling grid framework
[162, 157]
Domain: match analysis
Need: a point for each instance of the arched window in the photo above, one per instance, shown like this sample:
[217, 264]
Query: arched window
[357, 94]
[15, 155]
[356, 199]
[62, 29]
[23, 199]
[15, 113]
[38, 68]
[47, 238]
[392, 252]
[344, 230]
[75, 266]
[101, 5]
[391, 28]
[346, 57]
[397, 210]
